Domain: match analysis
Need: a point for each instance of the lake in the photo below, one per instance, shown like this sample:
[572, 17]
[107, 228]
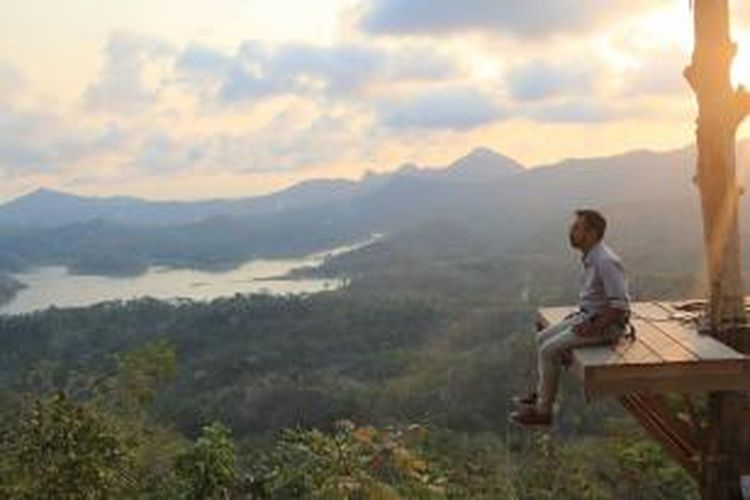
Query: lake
[53, 285]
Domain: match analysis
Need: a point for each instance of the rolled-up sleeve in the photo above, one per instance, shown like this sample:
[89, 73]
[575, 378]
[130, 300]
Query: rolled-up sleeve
[614, 282]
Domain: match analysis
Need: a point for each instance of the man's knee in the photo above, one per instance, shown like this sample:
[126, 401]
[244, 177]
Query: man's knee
[549, 352]
[544, 335]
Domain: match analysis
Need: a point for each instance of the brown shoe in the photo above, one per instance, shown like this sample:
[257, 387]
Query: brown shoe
[531, 417]
[525, 401]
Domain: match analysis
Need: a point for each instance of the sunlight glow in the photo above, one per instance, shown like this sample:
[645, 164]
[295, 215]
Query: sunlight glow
[741, 66]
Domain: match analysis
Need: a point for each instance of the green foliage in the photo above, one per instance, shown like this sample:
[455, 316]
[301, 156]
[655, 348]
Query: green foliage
[142, 371]
[264, 363]
[352, 462]
[553, 469]
[260, 363]
[64, 450]
[644, 467]
[108, 440]
[208, 469]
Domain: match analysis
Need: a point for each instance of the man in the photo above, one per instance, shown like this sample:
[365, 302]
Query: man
[604, 308]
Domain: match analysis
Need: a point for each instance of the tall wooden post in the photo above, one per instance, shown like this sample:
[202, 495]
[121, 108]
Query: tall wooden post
[726, 455]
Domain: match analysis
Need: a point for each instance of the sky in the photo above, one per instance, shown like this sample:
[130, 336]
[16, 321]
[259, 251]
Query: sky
[189, 99]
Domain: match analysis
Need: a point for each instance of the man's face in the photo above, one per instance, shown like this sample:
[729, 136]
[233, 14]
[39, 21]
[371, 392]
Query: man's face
[579, 234]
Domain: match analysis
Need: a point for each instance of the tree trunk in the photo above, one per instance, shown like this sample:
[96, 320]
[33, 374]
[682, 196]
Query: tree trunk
[720, 111]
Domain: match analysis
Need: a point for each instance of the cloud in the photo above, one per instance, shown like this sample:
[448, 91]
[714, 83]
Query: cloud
[452, 108]
[573, 111]
[12, 81]
[541, 79]
[519, 18]
[659, 73]
[163, 154]
[201, 59]
[291, 142]
[33, 141]
[123, 85]
[259, 70]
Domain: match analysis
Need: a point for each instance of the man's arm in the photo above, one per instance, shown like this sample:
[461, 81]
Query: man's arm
[600, 323]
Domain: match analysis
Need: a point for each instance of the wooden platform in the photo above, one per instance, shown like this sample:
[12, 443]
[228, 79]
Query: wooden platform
[668, 355]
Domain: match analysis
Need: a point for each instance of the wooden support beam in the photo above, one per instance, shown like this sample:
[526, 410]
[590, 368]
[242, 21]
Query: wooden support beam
[676, 438]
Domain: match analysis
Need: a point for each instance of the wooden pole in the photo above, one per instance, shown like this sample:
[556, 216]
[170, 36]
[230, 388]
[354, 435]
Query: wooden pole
[719, 116]
[726, 454]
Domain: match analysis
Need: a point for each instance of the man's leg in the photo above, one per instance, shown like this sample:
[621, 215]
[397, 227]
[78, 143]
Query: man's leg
[550, 356]
[542, 337]
[553, 330]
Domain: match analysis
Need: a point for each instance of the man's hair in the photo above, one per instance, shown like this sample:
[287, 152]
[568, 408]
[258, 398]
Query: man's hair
[594, 221]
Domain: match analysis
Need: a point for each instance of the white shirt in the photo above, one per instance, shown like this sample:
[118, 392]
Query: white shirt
[604, 282]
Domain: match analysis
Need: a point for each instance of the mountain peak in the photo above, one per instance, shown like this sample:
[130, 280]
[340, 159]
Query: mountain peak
[42, 191]
[408, 168]
[483, 163]
[42, 194]
[483, 152]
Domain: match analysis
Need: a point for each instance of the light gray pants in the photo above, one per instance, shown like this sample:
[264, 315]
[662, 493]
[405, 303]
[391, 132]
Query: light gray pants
[552, 343]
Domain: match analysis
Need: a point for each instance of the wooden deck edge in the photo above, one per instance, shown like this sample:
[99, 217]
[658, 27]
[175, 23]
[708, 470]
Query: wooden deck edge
[670, 368]
[704, 383]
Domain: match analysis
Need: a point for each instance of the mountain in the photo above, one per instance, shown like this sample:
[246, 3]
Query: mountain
[482, 165]
[303, 194]
[648, 196]
[45, 207]
[48, 208]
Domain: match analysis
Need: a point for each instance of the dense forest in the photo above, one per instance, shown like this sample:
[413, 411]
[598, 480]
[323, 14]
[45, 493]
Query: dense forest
[396, 386]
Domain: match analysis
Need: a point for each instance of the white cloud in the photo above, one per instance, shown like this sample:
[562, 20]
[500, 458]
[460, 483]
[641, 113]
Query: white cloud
[458, 108]
[576, 111]
[542, 79]
[659, 72]
[258, 70]
[198, 105]
[124, 85]
[33, 141]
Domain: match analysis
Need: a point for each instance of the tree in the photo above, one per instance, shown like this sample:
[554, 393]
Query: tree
[65, 450]
[352, 462]
[208, 469]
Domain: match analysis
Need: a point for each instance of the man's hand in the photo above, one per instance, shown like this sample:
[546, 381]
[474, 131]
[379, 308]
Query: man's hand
[586, 329]
[600, 323]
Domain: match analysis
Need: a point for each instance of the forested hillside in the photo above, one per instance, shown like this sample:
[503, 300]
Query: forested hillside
[396, 386]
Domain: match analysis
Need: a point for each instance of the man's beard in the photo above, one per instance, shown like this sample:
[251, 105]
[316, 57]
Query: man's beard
[572, 241]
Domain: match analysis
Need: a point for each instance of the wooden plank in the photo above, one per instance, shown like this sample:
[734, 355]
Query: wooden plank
[685, 376]
[590, 363]
[650, 311]
[625, 352]
[663, 345]
[704, 346]
[672, 369]
[658, 385]
[637, 352]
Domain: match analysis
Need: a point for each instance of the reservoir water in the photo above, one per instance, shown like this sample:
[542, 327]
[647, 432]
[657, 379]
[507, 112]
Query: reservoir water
[53, 285]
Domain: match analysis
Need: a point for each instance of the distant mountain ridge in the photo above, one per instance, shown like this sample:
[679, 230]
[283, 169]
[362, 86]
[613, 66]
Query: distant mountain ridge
[46, 207]
[484, 197]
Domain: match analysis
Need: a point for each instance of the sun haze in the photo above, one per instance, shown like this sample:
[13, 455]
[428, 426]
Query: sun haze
[197, 99]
